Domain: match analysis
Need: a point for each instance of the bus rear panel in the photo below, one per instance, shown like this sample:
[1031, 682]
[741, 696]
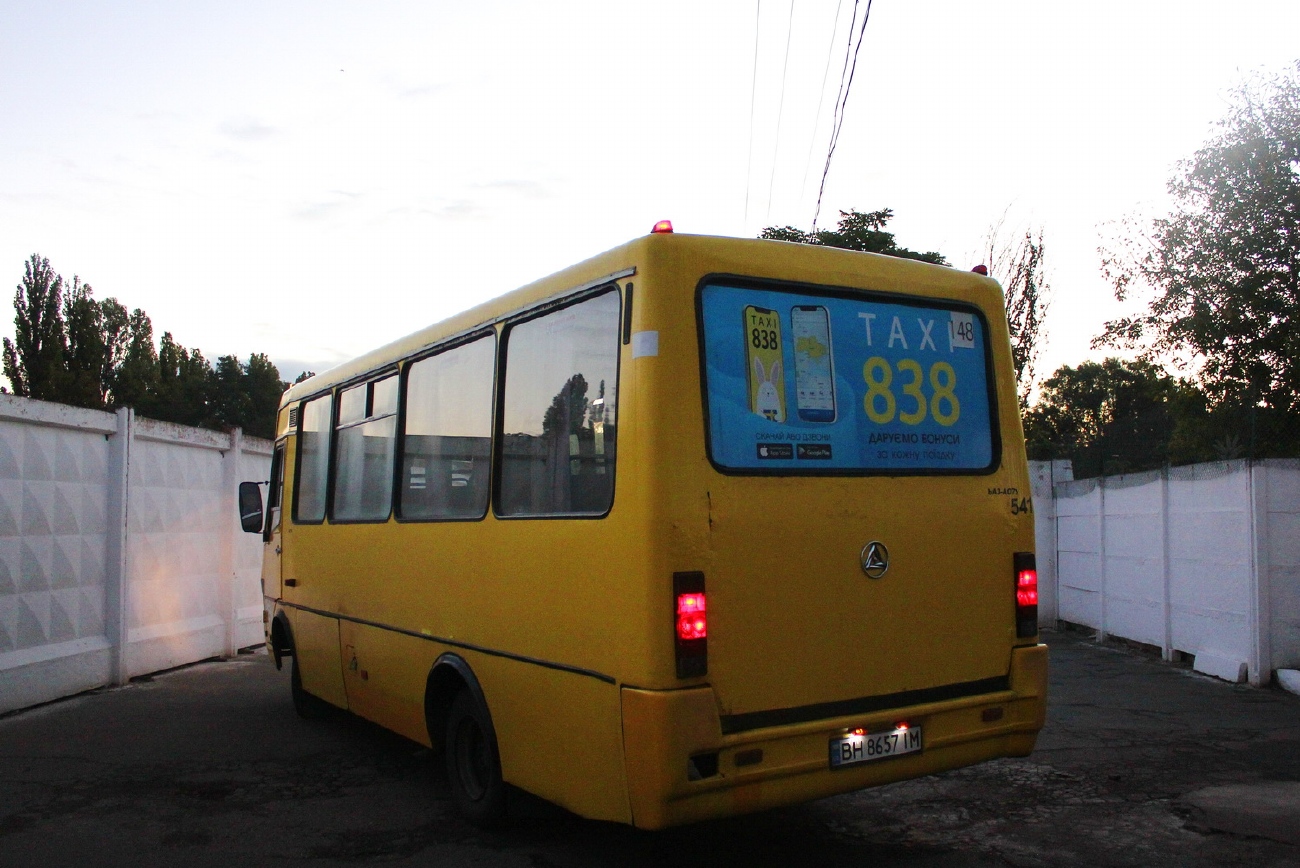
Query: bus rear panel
[851, 509]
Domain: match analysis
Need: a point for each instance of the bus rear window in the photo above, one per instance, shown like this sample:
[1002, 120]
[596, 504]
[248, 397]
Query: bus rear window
[804, 382]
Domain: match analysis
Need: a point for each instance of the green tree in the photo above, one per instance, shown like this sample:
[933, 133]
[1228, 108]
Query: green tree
[75, 350]
[264, 387]
[230, 402]
[194, 389]
[247, 395]
[134, 382]
[85, 351]
[33, 360]
[115, 322]
[183, 391]
[857, 230]
[1116, 416]
[1223, 268]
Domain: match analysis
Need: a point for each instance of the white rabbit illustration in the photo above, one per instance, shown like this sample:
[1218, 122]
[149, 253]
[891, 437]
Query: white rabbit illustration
[768, 404]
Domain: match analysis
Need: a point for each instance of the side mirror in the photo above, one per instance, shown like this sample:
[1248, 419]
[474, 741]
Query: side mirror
[250, 507]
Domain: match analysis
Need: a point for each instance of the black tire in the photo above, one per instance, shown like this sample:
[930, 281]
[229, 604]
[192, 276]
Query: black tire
[307, 706]
[473, 764]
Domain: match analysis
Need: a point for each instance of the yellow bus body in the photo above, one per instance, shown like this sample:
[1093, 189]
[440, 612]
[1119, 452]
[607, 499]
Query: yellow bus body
[567, 624]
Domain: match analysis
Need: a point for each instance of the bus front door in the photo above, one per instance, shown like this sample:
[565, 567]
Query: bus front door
[271, 590]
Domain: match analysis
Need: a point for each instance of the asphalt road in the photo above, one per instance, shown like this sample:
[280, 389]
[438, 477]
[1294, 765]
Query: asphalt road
[1141, 763]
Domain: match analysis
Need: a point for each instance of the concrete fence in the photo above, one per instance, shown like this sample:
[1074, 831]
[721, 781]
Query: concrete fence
[1202, 561]
[120, 548]
[121, 553]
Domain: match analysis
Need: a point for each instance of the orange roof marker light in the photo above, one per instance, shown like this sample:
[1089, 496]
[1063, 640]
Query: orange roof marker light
[663, 227]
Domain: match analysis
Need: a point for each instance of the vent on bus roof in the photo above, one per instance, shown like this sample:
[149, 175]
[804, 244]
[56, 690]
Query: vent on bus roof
[293, 418]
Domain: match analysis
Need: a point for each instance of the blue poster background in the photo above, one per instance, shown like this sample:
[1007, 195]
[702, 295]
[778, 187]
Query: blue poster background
[905, 348]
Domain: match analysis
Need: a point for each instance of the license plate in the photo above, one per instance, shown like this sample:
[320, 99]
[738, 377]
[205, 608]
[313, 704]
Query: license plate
[854, 748]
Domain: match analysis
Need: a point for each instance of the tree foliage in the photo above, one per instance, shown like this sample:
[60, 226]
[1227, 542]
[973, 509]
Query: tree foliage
[1113, 416]
[1223, 268]
[569, 408]
[1121, 416]
[34, 359]
[857, 230]
[70, 348]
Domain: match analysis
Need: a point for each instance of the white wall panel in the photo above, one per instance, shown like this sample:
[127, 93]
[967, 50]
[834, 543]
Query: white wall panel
[1203, 560]
[57, 531]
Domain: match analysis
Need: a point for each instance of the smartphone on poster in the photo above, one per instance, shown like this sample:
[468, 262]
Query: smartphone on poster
[814, 367]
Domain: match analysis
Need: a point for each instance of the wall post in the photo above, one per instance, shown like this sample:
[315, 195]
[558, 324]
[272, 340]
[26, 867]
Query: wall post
[1261, 626]
[1040, 480]
[1101, 553]
[229, 521]
[1166, 571]
[117, 575]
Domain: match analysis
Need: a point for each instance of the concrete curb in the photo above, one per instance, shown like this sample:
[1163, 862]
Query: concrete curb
[1270, 809]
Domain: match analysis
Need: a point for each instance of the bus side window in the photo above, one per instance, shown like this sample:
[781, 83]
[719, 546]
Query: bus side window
[560, 421]
[313, 460]
[273, 493]
[367, 432]
[447, 439]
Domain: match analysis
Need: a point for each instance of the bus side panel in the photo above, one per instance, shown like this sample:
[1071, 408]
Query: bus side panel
[559, 735]
[316, 643]
[385, 674]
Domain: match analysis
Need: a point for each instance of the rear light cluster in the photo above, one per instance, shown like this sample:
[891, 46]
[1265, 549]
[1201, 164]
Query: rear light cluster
[1026, 570]
[690, 617]
[692, 622]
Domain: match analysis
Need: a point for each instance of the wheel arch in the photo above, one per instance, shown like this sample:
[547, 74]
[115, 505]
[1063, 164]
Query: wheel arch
[449, 675]
[281, 639]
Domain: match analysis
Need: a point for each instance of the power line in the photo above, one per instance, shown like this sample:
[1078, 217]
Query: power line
[753, 88]
[780, 110]
[842, 98]
[821, 96]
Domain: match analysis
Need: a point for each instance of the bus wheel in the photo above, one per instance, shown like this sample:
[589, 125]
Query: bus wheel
[473, 764]
[308, 707]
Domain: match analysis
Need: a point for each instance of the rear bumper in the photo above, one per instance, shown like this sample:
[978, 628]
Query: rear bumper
[781, 765]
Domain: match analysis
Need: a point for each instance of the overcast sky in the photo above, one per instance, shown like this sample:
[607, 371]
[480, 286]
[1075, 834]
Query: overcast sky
[311, 180]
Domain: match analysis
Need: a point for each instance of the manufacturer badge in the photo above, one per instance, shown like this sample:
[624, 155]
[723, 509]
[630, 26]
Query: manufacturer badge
[875, 559]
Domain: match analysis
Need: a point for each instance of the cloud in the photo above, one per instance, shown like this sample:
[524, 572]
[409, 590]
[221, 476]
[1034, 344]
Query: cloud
[248, 130]
[518, 187]
[419, 91]
[411, 211]
[322, 209]
[461, 208]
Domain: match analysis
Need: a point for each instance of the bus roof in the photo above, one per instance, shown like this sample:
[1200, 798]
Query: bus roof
[764, 258]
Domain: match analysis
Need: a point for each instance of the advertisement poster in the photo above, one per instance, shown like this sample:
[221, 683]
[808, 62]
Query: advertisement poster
[802, 382]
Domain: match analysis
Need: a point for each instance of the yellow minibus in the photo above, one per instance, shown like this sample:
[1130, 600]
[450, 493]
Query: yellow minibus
[696, 527]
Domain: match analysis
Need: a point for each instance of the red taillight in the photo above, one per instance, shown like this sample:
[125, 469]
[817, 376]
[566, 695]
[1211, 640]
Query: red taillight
[690, 616]
[1026, 572]
[1027, 588]
[692, 622]
[663, 227]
